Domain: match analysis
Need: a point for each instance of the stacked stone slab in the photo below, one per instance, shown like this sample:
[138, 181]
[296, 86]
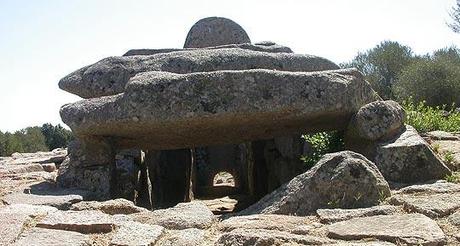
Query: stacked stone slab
[219, 94]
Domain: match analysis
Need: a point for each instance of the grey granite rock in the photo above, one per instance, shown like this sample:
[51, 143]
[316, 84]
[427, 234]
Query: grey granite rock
[186, 237]
[277, 222]
[214, 31]
[182, 216]
[336, 215]
[170, 111]
[272, 48]
[110, 75]
[431, 205]
[132, 233]
[377, 120]
[455, 218]
[60, 201]
[409, 159]
[79, 221]
[440, 186]
[407, 229]
[11, 225]
[343, 179]
[50, 237]
[261, 237]
[115, 206]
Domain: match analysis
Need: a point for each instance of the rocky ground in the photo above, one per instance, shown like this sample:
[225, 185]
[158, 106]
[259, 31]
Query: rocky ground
[35, 212]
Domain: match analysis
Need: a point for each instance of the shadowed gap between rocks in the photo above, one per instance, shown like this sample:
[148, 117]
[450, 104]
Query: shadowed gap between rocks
[162, 178]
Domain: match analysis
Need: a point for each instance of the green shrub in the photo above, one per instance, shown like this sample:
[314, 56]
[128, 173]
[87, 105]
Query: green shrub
[434, 79]
[425, 118]
[322, 143]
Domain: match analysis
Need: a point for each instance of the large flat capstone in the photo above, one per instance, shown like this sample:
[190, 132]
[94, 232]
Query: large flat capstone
[110, 75]
[171, 111]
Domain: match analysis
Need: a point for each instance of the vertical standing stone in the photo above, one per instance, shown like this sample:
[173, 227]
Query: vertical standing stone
[89, 166]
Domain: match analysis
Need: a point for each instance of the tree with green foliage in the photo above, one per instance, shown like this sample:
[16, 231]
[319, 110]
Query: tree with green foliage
[56, 136]
[434, 79]
[382, 64]
[33, 139]
[455, 15]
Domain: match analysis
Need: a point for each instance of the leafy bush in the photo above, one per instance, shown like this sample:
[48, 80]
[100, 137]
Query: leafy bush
[425, 118]
[435, 79]
[322, 143]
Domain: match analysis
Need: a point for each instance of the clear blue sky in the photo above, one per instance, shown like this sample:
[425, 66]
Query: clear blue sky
[42, 41]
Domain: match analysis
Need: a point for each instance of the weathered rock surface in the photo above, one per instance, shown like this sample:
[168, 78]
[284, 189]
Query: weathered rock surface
[116, 206]
[88, 166]
[11, 225]
[378, 120]
[25, 168]
[455, 218]
[110, 75]
[451, 148]
[29, 210]
[187, 237]
[134, 233]
[286, 223]
[442, 135]
[49, 237]
[336, 215]
[79, 221]
[441, 186]
[431, 205]
[214, 31]
[169, 110]
[58, 201]
[272, 48]
[49, 167]
[54, 156]
[182, 216]
[409, 159]
[343, 179]
[261, 237]
[410, 229]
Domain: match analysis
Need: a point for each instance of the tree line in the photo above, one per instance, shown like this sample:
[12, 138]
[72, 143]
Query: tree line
[32, 139]
[395, 72]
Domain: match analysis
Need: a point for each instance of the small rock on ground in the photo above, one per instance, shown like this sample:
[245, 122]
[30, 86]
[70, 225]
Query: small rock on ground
[187, 237]
[182, 216]
[135, 233]
[11, 225]
[411, 229]
[29, 210]
[440, 186]
[260, 237]
[80, 221]
[431, 205]
[116, 206]
[455, 218]
[286, 223]
[49, 237]
[336, 215]
[58, 201]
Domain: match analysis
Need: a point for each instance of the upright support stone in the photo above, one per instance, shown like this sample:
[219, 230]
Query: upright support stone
[89, 166]
[143, 198]
[168, 175]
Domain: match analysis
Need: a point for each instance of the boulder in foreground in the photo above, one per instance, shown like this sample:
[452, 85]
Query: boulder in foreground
[343, 179]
